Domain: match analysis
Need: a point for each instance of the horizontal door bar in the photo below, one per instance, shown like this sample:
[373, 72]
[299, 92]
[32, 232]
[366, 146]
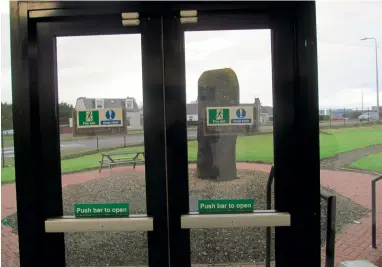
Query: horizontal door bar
[255, 219]
[72, 224]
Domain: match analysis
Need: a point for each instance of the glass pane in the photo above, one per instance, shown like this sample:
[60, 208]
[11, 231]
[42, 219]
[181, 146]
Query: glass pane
[229, 107]
[102, 83]
[350, 135]
[106, 249]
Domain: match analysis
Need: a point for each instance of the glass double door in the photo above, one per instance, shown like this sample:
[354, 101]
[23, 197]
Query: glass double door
[182, 116]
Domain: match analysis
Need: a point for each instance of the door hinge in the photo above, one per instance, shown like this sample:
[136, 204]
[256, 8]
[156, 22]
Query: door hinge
[130, 19]
[188, 16]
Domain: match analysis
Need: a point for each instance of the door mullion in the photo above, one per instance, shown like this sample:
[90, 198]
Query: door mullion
[154, 135]
[176, 139]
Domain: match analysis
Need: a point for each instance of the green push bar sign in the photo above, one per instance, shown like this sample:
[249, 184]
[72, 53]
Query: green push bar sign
[226, 205]
[101, 210]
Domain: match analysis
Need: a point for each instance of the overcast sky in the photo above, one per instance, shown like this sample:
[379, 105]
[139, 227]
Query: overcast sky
[110, 66]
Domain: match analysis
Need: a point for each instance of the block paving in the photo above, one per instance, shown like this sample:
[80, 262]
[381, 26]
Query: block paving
[353, 244]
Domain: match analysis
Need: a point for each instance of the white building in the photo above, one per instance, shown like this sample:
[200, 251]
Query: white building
[192, 112]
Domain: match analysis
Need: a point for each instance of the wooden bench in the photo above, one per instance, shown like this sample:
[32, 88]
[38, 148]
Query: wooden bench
[118, 158]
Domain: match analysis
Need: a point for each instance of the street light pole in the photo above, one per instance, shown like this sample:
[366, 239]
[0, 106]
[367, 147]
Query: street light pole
[376, 70]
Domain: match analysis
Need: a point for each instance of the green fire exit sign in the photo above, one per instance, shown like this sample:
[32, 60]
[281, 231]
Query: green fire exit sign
[101, 210]
[218, 116]
[226, 205]
[88, 118]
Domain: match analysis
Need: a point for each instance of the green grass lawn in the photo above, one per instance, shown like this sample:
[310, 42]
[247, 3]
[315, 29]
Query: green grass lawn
[370, 163]
[342, 140]
[8, 140]
[249, 148]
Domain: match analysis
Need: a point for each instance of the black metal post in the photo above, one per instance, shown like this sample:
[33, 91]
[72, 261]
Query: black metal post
[2, 149]
[124, 140]
[330, 118]
[269, 229]
[97, 144]
[373, 212]
[344, 116]
[330, 228]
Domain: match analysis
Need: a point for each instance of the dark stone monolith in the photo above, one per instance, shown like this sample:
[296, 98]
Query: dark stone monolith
[216, 158]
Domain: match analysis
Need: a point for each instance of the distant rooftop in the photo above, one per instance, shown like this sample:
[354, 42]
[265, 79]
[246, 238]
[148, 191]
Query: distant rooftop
[111, 103]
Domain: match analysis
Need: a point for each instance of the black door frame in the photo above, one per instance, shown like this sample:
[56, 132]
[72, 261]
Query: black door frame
[296, 130]
[295, 101]
[46, 192]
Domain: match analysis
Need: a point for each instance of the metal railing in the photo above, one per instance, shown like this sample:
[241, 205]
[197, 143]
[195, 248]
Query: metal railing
[330, 224]
[373, 211]
[269, 229]
[330, 228]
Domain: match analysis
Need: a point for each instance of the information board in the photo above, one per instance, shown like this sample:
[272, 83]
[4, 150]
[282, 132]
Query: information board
[92, 122]
[230, 116]
[93, 118]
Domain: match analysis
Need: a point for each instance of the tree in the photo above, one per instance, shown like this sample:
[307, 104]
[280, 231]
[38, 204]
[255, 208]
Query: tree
[355, 114]
[216, 157]
[6, 116]
[65, 112]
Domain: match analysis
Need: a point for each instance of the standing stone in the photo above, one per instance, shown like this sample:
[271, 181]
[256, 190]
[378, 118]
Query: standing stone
[216, 158]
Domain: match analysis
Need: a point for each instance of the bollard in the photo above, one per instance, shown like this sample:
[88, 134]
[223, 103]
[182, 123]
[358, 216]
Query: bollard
[97, 144]
[2, 149]
[374, 211]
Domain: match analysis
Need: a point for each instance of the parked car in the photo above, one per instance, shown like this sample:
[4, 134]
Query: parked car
[338, 118]
[8, 132]
[372, 116]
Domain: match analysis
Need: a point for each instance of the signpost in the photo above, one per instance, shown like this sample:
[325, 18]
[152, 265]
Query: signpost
[101, 210]
[99, 122]
[226, 206]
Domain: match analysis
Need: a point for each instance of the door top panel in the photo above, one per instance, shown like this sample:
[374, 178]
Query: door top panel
[87, 27]
[68, 8]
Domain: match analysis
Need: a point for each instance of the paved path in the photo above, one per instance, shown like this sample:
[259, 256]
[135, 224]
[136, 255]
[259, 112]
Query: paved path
[339, 161]
[353, 243]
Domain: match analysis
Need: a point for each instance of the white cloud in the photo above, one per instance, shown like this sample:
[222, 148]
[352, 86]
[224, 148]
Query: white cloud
[110, 66]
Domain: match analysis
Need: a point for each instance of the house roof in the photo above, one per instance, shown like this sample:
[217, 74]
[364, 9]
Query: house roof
[267, 109]
[111, 103]
[192, 108]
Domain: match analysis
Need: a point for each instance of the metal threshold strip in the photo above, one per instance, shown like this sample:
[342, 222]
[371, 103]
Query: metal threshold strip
[67, 224]
[259, 218]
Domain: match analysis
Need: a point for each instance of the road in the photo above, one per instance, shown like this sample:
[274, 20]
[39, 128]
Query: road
[115, 141]
[82, 144]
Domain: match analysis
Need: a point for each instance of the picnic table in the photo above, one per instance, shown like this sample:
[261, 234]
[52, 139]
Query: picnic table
[117, 158]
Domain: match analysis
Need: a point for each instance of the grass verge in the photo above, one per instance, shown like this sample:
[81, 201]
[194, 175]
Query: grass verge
[257, 148]
[370, 163]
